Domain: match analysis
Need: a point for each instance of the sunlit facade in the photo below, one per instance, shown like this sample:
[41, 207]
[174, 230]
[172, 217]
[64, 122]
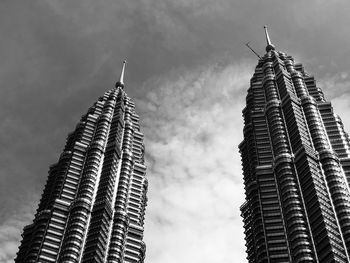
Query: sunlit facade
[296, 167]
[93, 205]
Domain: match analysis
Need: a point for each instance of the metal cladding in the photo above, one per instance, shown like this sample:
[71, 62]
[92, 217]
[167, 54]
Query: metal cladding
[296, 167]
[93, 205]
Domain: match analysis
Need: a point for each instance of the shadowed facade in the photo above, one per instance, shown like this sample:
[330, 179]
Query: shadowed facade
[296, 167]
[93, 205]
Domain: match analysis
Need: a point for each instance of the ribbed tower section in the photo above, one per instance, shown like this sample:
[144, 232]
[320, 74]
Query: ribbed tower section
[296, 167]
[93, 205]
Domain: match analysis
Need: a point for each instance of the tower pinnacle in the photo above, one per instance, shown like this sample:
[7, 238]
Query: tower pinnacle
[269, 46]
[120, 83]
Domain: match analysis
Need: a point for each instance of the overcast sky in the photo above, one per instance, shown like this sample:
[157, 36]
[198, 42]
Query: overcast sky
[188, 71]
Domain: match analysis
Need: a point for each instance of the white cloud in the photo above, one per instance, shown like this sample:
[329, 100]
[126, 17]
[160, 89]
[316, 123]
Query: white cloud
[11, 229]
[194, 125]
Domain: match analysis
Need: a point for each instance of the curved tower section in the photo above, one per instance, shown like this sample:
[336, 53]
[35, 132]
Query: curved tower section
[295, 158]
[93, 205]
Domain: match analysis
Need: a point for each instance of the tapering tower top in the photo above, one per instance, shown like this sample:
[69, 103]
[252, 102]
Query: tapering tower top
[120, 83]
[269, 46]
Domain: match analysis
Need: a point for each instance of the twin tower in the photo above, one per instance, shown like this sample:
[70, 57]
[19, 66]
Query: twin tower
[296, 168]
[93, 205]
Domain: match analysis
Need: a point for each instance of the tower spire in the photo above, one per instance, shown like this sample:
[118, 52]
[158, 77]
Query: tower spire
[120, 83]
[269, 46]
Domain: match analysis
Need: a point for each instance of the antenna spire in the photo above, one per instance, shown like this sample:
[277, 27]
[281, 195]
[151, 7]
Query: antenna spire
[120, 83]
[247, 44]
[269, 46]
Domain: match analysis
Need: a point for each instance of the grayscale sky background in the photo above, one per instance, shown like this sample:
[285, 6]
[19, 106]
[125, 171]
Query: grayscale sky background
[188, 71]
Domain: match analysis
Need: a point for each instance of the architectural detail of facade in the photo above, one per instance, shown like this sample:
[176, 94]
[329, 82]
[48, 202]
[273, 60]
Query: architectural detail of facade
[93, 205]
[296, 167]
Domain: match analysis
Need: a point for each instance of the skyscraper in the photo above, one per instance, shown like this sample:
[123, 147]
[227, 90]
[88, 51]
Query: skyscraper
[296, 167]
[93, 205]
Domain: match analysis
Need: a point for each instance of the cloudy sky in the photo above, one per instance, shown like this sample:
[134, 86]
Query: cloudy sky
[188, 72]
